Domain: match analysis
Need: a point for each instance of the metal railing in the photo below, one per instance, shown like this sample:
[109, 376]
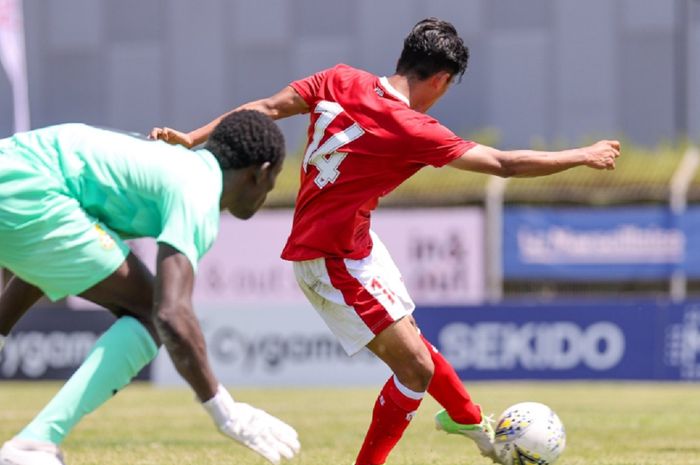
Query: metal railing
[678, 203]
[679, 186]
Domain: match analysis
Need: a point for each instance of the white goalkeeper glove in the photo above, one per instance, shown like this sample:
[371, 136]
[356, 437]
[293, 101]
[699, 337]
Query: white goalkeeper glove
[2, 341]
[252, 427]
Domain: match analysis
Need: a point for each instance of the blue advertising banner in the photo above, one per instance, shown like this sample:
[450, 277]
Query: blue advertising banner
[647, 242]
[641, 341]
[690, 224]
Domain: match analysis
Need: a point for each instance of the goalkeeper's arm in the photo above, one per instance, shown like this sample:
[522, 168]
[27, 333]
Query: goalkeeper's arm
[179, 330]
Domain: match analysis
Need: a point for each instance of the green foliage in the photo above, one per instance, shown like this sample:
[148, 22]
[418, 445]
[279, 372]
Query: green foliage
[607, 424]
[642, 176]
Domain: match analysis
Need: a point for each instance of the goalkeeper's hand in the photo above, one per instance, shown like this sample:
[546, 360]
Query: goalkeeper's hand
[252, 427]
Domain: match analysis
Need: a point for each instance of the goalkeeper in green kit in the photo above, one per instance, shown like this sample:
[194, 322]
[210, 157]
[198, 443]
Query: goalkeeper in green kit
[69, 195]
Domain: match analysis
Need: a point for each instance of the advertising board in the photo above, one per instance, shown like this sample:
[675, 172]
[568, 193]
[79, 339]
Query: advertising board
[594, 340]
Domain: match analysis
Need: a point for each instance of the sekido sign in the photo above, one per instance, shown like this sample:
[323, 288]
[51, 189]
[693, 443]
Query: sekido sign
[606, 339]
[557, 345]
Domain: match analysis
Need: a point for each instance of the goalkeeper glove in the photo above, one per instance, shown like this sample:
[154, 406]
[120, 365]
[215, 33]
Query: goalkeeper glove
[252, 427]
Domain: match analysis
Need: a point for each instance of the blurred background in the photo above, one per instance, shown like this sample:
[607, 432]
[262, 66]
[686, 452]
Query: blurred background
[580, 275]
[539, 70]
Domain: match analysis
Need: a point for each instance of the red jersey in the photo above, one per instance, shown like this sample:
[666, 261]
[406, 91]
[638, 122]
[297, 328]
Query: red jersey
[363, 142]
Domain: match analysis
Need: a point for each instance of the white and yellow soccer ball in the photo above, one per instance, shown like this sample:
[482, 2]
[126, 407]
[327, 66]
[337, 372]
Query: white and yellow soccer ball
[529, 433]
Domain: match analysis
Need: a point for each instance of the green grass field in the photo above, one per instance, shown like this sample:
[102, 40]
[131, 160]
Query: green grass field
[607, 424]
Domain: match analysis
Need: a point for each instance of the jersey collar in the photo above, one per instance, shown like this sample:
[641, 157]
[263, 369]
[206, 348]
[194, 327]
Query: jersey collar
[392, 90]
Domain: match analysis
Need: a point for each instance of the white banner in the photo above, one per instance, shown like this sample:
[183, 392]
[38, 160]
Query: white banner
[13, 59]
[258, 345]
[440, 253]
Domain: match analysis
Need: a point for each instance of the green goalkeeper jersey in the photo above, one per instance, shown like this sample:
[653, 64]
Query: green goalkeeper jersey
[129, 185]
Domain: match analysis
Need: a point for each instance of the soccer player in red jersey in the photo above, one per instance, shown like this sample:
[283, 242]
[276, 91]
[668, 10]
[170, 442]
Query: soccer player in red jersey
[368, 134]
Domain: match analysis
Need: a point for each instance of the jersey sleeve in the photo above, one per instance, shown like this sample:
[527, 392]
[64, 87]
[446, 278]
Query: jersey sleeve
[189, 225]
[309, 87]
[435, 145]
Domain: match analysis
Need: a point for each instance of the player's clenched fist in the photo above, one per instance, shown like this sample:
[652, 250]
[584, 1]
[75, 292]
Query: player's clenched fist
[252, 427]
[602, 154]
[171, 136]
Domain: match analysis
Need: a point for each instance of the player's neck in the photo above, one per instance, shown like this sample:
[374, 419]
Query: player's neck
[411, 89]
[401, 85]
[230, 187]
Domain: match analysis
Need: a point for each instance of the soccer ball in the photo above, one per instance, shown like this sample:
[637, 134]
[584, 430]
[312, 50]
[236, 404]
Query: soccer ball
[529, 433]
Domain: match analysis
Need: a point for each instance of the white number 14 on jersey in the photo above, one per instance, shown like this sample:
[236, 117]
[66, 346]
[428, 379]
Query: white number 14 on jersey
[326, 158]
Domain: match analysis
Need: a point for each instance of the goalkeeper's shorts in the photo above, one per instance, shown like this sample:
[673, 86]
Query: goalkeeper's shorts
[46, 238]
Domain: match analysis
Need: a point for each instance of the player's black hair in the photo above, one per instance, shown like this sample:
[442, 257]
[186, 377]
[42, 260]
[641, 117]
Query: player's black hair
[246, 138]
[433, 46]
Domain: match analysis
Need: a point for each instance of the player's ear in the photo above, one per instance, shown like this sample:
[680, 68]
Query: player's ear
[440, 79]
[263, 172]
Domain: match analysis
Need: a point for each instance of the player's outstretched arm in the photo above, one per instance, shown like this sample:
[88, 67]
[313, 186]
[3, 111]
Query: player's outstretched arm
[17, 297]
[283, 104]
[530, 163]
[179, 330]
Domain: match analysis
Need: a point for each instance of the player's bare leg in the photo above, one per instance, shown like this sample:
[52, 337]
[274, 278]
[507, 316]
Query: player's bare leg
[126, 347]
[460, 414]
[402, 350]
[400, 347]
[127, 292]
[15, 299]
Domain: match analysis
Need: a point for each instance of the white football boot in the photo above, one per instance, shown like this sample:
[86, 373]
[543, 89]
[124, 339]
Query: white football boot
[26, 452]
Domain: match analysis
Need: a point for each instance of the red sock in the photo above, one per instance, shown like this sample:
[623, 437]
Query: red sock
[448, 390]
[392, 413]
